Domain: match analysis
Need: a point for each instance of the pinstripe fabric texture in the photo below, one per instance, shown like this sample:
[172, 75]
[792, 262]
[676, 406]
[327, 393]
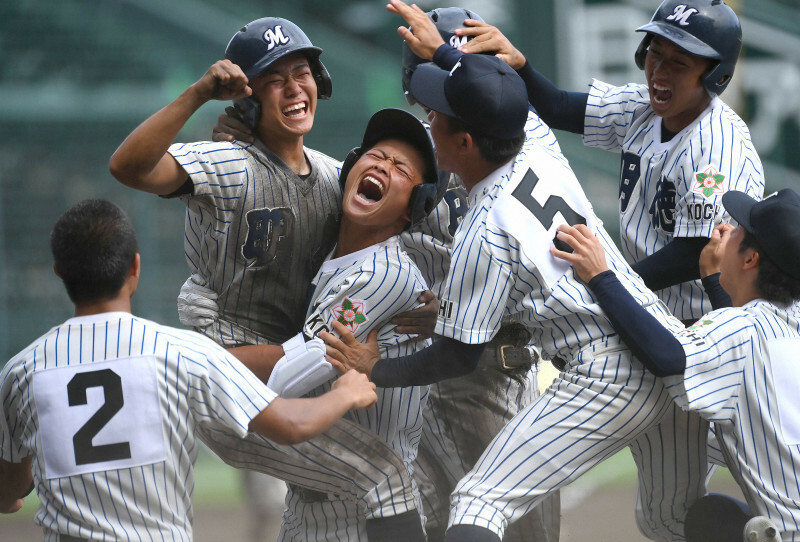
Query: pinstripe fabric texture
[741, 375]
[604, 400]
[465, 413]
[257, 233]
[199, 385]
[364, 290]
[671, 189]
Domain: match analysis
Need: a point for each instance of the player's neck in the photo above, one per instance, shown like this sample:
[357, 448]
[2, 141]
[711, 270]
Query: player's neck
[354, 237]
[99, 307]
[476, 170]
[292, 154]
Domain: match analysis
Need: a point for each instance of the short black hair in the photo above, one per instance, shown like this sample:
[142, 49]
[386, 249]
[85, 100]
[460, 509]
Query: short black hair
[93, 245]
[492, 149]
[773, 284]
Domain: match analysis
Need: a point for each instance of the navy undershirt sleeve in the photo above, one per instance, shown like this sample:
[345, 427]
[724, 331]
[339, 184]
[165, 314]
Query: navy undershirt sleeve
[558, 108]
[674, 263]
[651, 343]
[716, 294]
[445, 358]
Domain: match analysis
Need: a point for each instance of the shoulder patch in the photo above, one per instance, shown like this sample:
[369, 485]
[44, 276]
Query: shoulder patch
[709, 182]
[350, 313]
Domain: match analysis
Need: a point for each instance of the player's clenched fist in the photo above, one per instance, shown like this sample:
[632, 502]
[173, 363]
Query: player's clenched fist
[224, 80]
[358, 387]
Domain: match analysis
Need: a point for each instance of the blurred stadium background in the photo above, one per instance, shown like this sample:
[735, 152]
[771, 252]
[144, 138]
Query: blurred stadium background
[76, 76]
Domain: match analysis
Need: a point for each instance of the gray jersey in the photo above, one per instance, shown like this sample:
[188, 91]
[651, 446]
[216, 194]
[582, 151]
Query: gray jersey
[257, 233]
[110, 407]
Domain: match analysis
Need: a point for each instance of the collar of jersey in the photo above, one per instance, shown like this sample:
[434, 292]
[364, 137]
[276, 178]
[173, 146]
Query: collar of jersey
[100, 317]
[659, 146]
[332, 264]
[499, 176]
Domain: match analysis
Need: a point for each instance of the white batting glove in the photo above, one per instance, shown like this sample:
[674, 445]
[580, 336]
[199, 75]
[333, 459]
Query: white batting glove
[301, 369]
[197, 304]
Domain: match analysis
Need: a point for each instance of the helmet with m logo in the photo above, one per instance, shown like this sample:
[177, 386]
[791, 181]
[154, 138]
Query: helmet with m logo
[261, 42]
[706, 28]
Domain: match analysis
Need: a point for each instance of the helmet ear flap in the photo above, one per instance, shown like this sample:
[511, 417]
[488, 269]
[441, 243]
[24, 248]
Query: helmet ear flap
[348, 163]
[424, 199]
[322, 78]
[641, 51]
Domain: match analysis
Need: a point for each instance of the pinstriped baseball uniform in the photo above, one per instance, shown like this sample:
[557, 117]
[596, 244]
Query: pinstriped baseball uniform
[110, 406]
[257, 233]
[671, 189]
[604, 400]
[364, 290]
[741, 373]
[667, 190]
[465, 413]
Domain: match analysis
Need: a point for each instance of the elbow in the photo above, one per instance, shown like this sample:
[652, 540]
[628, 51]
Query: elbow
[122, 172]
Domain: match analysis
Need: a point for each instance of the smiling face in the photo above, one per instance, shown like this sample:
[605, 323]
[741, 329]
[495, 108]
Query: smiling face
[288, 95]
[674, 77]
[379, 185]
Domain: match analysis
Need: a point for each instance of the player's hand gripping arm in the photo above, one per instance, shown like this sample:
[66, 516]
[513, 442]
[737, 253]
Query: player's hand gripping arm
[16, 481]
[289, 421]
[445, 358]
[653, 345]
[142, 160]
[421, 321]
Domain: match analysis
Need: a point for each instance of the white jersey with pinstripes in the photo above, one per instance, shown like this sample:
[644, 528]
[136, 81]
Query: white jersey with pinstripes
[257, 233]
[129, 476]
[674, 188]
[741, 373]
[604, 400]
[364, 291]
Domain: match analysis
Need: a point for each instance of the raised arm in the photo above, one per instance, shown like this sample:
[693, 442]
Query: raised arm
[142, 161]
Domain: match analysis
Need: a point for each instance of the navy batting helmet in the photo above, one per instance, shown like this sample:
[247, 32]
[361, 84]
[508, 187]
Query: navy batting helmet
[706, 28]
[398, 124]
[446, 21]
[260, 43]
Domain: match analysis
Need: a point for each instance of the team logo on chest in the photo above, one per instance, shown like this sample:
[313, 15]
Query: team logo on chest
[709, 182]
[662, 210]
[268, 235]
[350, 313]
[274, 37]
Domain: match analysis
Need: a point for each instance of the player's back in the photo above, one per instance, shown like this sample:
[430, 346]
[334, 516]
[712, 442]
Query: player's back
[513, 224]
[108, 405]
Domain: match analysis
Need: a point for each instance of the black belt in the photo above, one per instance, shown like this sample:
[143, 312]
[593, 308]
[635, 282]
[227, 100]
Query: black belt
[308, 495]
[508, 351]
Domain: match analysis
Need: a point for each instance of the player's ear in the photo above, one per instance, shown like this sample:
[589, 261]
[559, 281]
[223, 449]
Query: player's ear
[55, 270]
[136, 266]
[466, 143]
[752, 259]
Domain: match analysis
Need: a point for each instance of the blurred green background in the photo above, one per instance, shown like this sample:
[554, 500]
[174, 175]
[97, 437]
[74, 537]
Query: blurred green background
[76, 76]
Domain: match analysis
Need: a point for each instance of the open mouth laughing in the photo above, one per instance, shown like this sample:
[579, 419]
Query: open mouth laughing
[295, 110]
[370, 189]
[661, 94]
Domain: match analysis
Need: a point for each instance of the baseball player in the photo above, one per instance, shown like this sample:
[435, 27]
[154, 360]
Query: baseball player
[261, 217]
[103, 412]
[736, 366]
[465, 413]
[501, 264]
[681, 148]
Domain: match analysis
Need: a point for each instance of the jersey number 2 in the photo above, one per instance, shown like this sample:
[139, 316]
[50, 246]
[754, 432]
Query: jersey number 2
[85, 451]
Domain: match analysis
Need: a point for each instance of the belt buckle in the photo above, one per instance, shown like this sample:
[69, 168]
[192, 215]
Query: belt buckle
[503, 356]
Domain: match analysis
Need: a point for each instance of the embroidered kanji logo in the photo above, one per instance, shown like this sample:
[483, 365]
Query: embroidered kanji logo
[709, 182]
[350, 314]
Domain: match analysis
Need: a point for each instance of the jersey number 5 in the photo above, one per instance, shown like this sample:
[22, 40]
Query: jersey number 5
[547, 212]
[85, 451]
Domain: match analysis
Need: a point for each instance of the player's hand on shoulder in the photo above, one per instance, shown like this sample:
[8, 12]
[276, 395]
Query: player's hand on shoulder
[224, 80]
[488, 39]
[420, 322]
[422, 36]
[711, 256]
[345, 352]
[230, 126]
[358, 388]
[587, 257]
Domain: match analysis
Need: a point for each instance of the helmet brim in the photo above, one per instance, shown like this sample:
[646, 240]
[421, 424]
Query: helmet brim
[681, 38]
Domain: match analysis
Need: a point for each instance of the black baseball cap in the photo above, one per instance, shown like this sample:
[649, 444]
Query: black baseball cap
[482, 91]
[774, 222]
